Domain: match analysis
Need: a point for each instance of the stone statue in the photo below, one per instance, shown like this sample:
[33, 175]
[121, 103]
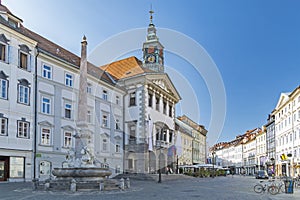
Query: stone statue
[87, 158]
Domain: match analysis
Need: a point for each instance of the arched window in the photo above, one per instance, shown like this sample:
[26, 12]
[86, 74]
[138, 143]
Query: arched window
[24, 92]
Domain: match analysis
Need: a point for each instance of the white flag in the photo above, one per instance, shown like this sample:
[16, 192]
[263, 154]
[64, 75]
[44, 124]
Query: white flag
[178, 144]
[150, 128]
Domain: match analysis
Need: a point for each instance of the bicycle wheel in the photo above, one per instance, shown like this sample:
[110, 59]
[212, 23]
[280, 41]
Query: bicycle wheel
[273, 190]
[258, 188]
[281, 188]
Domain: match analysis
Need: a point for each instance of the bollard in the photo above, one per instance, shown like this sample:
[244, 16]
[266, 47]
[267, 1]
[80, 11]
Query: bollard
[101, 186]
[35, 183]
[73, 185]
[47, 185]
[122, 186]
[128, 183]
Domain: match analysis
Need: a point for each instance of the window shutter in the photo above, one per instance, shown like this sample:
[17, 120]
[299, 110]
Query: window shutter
[29, 63]
[8, 54]
[18, 64]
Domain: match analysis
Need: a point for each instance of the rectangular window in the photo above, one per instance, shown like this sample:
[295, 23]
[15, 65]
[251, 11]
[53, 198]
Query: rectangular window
[16, 166]
[89, 116]
[130, 163]
[132, 99]
[46, 106]
[23, 62]
[118, 127]
[45, 136]
[104, 95]
[23, 94]
[23, 129]
[67, 139]
[104, 121]
[157, 103]
[117, 100]
[150, 97]
[170, 111]
[3, 89]
[47, 72]
[89, 88]
[2, 52]
[3, 126]
[69, 80]
[165, 107]
[104, 145]
[118, 169]
[68, 111]
[118, 150]
[132, 132]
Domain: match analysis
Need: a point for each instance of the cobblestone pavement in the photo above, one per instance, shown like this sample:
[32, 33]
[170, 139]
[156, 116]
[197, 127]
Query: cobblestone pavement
[172, 187]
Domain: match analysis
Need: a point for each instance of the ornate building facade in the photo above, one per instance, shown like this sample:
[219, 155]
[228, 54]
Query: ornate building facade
[149, 106]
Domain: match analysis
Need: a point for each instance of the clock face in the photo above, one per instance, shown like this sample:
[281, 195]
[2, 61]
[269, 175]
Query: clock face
[151, 59]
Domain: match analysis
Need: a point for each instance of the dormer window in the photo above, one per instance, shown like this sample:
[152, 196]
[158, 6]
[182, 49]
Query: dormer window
[13, 23]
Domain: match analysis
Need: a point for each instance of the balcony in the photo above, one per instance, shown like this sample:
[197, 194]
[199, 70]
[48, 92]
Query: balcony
[161, 144]
[132, 141]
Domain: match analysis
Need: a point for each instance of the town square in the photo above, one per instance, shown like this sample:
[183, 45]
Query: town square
[149, 99]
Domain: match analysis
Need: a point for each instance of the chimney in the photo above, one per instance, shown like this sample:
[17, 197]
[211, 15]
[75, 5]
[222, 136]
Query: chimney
[82, 99]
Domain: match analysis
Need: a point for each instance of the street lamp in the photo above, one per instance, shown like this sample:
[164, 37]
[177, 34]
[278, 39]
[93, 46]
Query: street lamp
[177, 169]
[159, 161]
[213, 162]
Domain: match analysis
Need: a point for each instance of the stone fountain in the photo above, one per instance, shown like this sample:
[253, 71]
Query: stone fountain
[80, 170]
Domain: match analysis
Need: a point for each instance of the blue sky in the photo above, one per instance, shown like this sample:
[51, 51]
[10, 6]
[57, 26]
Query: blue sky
[255, 45]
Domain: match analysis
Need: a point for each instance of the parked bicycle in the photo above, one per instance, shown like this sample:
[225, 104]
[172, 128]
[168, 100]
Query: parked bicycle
[270, 187]
[281, 187]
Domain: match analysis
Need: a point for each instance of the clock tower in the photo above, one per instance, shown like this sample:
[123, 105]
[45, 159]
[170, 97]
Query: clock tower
[153, 50]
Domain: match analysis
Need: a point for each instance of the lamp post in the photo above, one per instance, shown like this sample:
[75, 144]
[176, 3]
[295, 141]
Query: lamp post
[159, 162]
[177, 169]
[213, 162]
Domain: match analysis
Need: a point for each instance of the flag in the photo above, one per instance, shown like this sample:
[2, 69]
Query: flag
[178, 144]
[150, 129]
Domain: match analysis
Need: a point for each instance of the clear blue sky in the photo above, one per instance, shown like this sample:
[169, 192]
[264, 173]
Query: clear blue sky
[255, 44]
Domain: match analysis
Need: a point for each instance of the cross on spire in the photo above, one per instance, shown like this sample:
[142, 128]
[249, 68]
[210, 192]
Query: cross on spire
[151, 12]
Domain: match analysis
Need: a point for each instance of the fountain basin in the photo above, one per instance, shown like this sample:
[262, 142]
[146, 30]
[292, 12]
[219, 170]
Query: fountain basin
[81, 173]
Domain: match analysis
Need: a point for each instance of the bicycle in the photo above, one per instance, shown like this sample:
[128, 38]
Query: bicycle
[271, 188]
[281, 187]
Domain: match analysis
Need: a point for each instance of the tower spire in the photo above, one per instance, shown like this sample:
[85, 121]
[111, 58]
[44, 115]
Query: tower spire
[151, 14]
[153, 55]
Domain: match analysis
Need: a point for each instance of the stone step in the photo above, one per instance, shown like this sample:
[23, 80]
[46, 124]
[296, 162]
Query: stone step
[135, 176]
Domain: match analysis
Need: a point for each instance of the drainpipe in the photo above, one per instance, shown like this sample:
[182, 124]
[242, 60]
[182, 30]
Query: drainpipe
[35, 116]
[124, 132]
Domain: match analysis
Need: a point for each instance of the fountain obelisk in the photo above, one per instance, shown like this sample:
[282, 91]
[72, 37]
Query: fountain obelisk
[81, 166]
[83, 138]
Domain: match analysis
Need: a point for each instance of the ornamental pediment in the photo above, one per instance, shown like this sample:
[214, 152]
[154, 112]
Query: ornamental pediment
[161, 84]
[284, 97]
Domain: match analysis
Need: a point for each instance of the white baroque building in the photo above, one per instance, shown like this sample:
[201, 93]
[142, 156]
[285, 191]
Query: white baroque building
[149, 106]
[287, 133]
[39, 105]
[17, 69]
